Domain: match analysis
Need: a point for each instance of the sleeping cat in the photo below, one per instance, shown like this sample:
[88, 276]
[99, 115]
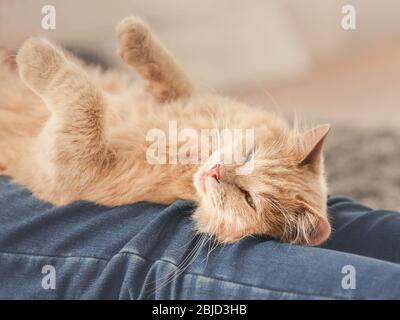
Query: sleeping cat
[72, 132]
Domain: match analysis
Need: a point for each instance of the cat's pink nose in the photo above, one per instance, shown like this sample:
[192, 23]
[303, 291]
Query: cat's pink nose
[214, 172]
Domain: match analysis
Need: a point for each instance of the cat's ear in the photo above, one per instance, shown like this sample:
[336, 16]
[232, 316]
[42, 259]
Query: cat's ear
[310, 146]
[321, 226]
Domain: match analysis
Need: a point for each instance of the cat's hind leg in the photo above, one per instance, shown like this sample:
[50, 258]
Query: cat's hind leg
[139, 48]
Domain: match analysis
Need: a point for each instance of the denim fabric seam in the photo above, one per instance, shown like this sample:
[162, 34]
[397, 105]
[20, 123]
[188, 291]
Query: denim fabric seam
[262, 289]
[54, 256]
[128, 253]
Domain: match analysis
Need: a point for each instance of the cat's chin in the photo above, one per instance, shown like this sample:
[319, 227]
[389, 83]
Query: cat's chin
[207, 223]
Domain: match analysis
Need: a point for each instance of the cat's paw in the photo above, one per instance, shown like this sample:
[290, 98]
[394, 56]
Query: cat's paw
[134, 43]
[38, 62]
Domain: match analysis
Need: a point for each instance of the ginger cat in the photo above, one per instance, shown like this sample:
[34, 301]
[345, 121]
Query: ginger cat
[71, 132]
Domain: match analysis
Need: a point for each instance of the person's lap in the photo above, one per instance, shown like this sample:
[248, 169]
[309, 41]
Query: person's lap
[363, 231]
[137, 251]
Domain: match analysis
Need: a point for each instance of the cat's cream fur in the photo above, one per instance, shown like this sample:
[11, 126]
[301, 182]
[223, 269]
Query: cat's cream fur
[70, 132]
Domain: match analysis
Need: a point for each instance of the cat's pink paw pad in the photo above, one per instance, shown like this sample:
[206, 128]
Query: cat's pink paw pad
[133, 34]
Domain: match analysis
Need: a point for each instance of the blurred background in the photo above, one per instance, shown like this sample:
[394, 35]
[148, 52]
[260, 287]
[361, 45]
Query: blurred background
[292, 56]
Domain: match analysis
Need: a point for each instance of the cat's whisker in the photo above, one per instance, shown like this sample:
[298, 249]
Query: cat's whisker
[185, 245]
[196, 251]
[277, 108]
[166, 276]
[288, 224]
[214, 244]
[183, 265]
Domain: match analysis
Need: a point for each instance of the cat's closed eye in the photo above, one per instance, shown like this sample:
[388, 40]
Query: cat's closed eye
[249, 156]
[249, 199]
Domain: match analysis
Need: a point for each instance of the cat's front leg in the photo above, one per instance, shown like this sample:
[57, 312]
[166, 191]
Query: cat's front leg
[38, 64]
[139, 48]
[73, 139]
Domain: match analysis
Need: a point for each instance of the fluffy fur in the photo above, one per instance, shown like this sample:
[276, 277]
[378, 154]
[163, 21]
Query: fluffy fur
[70, 132]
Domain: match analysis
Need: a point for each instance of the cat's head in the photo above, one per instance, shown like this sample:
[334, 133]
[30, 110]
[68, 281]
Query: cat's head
[284, 195]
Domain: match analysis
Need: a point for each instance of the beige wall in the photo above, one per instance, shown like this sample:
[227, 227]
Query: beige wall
[222, 43]
[318, 24]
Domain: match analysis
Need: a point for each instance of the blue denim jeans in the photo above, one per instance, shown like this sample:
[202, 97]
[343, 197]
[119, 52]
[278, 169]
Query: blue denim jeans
[148, 250]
